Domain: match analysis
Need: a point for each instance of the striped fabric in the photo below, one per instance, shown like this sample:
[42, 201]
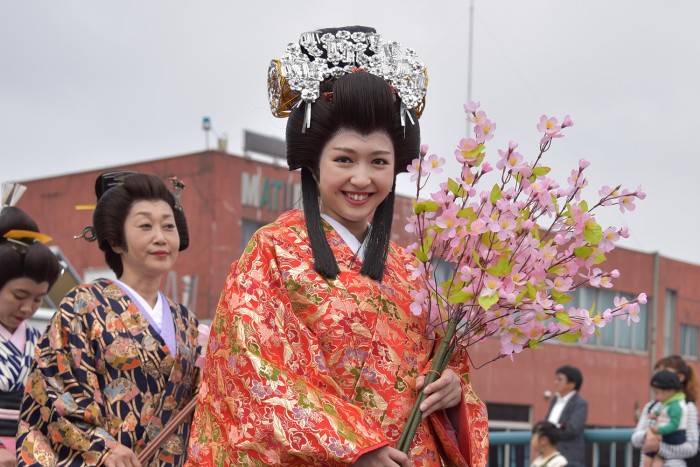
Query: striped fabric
[15, 363]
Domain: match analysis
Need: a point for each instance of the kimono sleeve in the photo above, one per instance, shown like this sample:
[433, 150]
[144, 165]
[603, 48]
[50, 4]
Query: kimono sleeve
[470, 442]
[61, 421]
[266, 396]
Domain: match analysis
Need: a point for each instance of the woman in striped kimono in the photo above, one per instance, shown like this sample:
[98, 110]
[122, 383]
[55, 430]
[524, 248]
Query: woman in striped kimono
[28, 269]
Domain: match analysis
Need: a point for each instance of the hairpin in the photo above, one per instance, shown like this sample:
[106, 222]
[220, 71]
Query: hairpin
[178, 186]
[296, 77]
[21, 240]
[11, 193]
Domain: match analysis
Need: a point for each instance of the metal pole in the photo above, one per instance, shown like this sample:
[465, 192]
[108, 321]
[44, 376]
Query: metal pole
[470, 55]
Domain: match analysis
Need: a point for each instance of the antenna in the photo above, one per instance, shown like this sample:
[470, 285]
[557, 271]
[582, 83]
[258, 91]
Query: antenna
[206, 126]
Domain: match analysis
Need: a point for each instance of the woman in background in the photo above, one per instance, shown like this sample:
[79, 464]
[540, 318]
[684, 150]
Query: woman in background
[28, 270]
[118, 359]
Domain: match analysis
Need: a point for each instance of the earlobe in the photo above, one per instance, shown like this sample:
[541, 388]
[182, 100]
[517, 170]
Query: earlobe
[116, 248]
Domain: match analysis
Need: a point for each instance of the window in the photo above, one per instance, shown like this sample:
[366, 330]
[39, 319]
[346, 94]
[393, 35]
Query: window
[669, 322]
[617, 333]
[688, 346]
[248, 228]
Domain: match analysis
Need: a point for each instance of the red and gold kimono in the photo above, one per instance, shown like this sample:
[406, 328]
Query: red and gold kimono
[103, 375]
[302, 370]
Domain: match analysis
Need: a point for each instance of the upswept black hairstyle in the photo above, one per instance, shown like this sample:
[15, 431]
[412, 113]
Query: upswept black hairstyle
[29, 259]
[364, 103]
[116, 194]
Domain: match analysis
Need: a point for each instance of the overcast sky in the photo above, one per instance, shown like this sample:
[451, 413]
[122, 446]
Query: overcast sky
[87, 84]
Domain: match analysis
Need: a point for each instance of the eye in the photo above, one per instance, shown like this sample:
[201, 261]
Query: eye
[21, 297]
[169, 226]
[380, 161]
[145, 226]
[343, 160]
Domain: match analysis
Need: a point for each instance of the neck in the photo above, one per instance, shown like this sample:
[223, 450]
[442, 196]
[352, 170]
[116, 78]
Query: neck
[147, 286]
[547, 451]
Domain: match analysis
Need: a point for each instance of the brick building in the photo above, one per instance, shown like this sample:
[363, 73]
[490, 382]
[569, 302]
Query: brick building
[228, 197]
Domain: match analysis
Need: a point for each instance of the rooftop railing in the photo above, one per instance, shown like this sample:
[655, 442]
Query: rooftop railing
[605, 447]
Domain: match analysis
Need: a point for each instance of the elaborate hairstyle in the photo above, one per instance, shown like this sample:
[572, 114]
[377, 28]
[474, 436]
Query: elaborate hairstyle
[116, 193]
[547, 430]
[361, 102]
[572, 374]
[24, 257]
[689, 381]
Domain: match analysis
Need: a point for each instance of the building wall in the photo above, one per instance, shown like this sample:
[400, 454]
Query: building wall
[224, 191]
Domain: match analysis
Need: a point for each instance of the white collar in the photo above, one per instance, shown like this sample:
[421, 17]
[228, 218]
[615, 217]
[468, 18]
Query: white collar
[351, 241]
[155, 312]
[567, 397]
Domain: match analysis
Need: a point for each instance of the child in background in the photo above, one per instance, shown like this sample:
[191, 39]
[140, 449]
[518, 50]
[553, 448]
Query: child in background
[667, 415]
[545, 436]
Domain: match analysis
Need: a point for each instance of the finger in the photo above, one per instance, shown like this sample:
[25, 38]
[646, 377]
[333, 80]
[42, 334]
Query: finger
[399, 457]
[419, 382]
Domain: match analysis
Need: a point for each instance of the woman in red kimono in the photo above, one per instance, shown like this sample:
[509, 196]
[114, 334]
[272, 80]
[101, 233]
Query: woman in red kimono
[314, 357]
[117, 361]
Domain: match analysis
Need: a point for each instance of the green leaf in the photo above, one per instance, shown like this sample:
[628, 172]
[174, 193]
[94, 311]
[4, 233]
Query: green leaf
[561, 297]
[421, 255]
[540, 170]
[502, 269]
[455, 188]
[531, 291]
[569, 337]
[520, 296]
[495, 194]
[583, 205]
[599, 259]
[488, 302]
[583, 252]
[592, 232]
[458, 296]
[467, 213]
[563, 318]
[424, 206]
[533, 344]
[556, 270]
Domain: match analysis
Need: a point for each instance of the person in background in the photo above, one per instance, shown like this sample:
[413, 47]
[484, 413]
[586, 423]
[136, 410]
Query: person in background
[668, 416]
[569, 412]
[545, 436]
[28, 270]
[674, 454]
[118, 360]
[315, 355]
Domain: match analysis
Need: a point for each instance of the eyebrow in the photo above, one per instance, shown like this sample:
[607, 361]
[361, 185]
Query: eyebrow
[378, 151]
[148, 214]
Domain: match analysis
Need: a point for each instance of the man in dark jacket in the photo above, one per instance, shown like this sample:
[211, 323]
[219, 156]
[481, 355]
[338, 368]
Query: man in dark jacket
[568, 412]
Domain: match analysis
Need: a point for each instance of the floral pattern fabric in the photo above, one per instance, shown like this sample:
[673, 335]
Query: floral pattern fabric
[302, 370]
[101, 376]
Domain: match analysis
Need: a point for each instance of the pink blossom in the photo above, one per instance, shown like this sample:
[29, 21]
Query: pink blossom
[423, 150]
[548, 126]
[642, 298]
[465, 147]
[583, 163]
[433, 164]
[640, 192]
[484, 130]
[624, 232]
[471, 107]
[414, 169]
[512, 342]
[567, 122]
[626, 201]
[419, 299]
[486, 167]
[477, 117]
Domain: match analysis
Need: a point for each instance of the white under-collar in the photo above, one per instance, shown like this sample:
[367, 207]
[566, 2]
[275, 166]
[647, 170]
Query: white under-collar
[155, 312]
[351, 241]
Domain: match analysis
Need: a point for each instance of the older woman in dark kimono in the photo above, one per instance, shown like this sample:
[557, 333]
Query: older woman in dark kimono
[118, 359]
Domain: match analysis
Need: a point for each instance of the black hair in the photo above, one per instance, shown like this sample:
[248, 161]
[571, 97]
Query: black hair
[114, 201]
[364, 103]
[27, 257]
[665, 379]
[572, 374]
[547, 430]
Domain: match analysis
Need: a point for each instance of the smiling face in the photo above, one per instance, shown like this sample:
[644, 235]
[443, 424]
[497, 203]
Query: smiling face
[152, 241]
[356, 173]
[19, 300]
